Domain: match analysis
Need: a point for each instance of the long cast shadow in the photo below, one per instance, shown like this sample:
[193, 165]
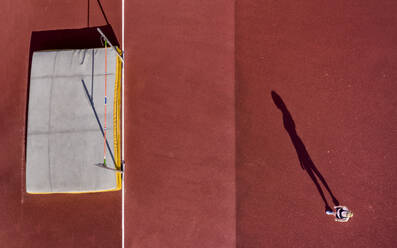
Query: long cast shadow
[102, 11]
[304, 158]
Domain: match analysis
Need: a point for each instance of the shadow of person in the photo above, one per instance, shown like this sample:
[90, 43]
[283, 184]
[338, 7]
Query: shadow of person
[303, 156]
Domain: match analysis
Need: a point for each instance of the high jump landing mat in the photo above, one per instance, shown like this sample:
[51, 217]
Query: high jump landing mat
[66, 121]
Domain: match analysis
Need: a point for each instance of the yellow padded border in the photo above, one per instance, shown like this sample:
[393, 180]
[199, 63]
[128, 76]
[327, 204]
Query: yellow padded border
[117, 121]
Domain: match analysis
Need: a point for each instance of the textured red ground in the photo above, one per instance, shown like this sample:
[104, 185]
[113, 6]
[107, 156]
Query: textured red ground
[332, 62]
[81, 220]
[334, 65]
[180, 182]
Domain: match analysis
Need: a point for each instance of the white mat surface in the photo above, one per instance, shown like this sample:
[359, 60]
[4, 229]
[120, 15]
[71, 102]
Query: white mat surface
[64, 140]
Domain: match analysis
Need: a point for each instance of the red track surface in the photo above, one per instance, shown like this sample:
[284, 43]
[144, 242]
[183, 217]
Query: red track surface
[180, 181]
[333, 64]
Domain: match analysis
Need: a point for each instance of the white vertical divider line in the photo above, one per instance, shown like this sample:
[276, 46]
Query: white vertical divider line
[122, 126]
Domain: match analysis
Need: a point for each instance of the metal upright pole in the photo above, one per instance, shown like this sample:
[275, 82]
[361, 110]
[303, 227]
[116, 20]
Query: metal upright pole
[107, 40]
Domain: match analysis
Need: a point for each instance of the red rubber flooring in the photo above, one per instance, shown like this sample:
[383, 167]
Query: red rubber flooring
[333, 63]
[211, 161]
[180, 181]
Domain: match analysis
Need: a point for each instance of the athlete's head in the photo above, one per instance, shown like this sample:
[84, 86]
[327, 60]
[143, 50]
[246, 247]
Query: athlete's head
[349, 214]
